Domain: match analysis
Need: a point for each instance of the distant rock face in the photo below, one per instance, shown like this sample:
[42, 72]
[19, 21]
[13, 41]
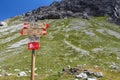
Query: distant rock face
[77, 8]
[116, 12]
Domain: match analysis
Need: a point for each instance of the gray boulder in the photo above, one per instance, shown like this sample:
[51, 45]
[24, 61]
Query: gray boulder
[82, 76]
[91, 79]
[98, 74]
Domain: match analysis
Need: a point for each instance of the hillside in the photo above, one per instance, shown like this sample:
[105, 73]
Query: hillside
[92, 44]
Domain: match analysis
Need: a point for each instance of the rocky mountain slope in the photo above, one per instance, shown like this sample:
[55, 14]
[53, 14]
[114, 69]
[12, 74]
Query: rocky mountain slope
[92, 44]
[77, 8]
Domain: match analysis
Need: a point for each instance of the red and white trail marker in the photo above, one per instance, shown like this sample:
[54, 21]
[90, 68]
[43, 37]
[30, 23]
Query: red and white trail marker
[44, 32]
[25, 26]
[33, 45]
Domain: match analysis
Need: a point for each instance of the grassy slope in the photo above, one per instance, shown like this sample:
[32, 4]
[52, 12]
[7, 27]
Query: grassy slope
[55, 54]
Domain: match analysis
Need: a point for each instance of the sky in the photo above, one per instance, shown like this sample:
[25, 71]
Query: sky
[11, 8]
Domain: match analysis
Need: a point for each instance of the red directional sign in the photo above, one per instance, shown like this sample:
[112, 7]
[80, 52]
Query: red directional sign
[30, 29]
[33, 45]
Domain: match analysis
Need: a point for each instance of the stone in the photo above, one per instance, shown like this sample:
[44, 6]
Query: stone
[115, 67]
[8, 74]
[95, 50]
[76, 79]
[91, 79]
[22, 73]
[88, 72]
[73, 70]
[82, 76]
[98, 74]
[118, 58]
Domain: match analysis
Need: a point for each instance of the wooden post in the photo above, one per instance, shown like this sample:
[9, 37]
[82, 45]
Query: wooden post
[33, 65]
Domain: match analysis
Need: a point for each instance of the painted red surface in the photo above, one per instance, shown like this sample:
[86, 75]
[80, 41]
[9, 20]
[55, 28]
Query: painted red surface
[33, 45]
[47, 25]
[44, 32]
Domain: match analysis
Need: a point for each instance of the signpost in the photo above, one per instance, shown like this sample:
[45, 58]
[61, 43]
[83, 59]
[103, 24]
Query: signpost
[33, 31]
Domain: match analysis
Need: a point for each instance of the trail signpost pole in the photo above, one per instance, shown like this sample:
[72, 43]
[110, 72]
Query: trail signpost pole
[34, 31]
[33, 65]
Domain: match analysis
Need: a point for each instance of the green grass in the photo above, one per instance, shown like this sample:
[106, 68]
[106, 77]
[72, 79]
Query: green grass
[54, 54]
[14, 20]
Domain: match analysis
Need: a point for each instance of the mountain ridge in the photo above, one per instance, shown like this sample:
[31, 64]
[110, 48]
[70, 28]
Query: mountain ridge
[77, 8]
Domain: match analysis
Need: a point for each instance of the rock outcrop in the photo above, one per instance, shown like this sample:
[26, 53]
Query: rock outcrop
[77, 8]
[116, 12]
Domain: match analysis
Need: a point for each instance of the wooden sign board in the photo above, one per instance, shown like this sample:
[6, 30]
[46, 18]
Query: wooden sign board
[32, 31]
